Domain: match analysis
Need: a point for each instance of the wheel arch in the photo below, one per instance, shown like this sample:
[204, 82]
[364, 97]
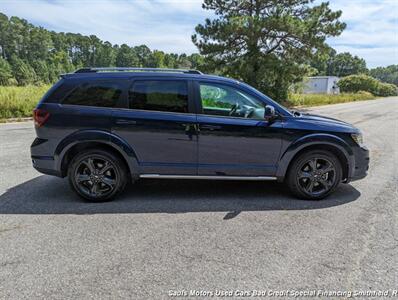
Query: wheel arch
[94, 139]
[327, 142]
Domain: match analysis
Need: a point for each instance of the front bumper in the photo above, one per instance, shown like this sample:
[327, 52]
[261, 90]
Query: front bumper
[361, 167]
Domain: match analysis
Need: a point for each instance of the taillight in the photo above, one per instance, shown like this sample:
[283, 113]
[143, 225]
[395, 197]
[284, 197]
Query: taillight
[40, 116]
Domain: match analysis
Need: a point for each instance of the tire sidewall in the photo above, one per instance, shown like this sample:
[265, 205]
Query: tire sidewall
[292, 176]
[119, 168]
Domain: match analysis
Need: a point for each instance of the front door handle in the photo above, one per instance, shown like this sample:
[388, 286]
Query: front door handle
[125, 122]
[211, 127]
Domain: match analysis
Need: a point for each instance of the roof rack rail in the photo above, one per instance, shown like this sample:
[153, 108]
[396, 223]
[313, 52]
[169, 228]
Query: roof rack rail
[123, 69]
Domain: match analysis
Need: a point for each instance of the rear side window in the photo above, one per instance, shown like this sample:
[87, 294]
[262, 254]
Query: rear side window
[159, 95]
[101, 94]
[58, 91]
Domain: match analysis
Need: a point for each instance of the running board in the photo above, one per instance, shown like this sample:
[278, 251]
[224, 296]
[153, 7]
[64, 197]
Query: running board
[255, 178]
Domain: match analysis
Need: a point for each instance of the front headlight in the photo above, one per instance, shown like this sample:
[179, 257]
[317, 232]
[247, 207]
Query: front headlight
[358, 138]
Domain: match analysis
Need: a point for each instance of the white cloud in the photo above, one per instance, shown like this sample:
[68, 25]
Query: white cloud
[381, 56]
[372, 26]
[372, 30]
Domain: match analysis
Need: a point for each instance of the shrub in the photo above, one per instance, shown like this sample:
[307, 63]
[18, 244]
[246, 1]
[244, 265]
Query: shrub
[356, 83]
[387, 89]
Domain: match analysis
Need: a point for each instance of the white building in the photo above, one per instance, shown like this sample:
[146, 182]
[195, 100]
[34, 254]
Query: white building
[321, 85]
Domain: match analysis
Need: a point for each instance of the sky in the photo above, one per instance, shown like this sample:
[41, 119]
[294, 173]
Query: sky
[167, 25]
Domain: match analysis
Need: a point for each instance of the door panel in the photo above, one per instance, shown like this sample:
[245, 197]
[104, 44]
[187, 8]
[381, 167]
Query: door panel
[165, 143]
[237, 147]
[160, 127]
[234, 137]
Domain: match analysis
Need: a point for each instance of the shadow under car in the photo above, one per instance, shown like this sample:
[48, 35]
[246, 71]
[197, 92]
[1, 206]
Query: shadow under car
[51, 195]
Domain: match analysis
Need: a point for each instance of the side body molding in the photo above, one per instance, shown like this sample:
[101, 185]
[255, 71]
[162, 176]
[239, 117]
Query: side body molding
[314, 140]
[99, 136]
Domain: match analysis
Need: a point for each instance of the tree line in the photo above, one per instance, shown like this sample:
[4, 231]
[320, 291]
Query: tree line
[268, 44]
[345, 64]
[33, 55]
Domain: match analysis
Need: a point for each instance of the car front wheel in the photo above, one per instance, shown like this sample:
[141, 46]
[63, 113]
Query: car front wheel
[97, 175]
[314, 175]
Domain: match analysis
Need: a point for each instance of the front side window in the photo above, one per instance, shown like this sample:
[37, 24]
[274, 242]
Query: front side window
[159, 95]
[223, 100]
[101, 94]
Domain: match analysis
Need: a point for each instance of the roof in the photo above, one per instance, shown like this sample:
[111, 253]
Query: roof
[127, 73]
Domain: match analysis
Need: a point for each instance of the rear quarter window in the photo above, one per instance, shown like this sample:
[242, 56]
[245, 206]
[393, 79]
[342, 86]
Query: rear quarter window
[58, 91]
[96, 93]
[159, 95]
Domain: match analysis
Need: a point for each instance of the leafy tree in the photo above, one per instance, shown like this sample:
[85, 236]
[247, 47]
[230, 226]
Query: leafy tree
[39, 44]
[265, 42]
[5, 72]
[158, 57]
[126, 57]
[386, 74]
[41, 70]
[170, 60]
[144, 54]
[106, 55]
[344, 64]
[197, 61]
[22, 72]
[183, 62]
[3, 35]
[330, 63]
[321, 60]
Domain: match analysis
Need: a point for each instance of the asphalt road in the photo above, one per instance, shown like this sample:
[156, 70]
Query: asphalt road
[162, 237]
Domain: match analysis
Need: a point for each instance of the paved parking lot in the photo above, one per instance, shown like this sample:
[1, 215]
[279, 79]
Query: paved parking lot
[163, 237]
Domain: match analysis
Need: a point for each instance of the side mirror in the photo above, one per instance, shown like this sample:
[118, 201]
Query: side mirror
[269, 113]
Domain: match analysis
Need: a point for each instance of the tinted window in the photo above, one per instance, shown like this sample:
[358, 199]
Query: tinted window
[58, 91]
[102, 94]
[167, 95]
[223, 100]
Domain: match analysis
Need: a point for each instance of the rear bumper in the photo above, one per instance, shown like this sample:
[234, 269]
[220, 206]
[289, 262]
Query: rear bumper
[361, 167]
[42, 158]
[45, 165]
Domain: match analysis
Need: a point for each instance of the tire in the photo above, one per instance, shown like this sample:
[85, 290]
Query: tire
[97, 175]
[307, 177]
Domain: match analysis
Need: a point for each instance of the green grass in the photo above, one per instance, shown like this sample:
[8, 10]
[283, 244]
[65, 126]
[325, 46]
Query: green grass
[323, 99]
[19, 101]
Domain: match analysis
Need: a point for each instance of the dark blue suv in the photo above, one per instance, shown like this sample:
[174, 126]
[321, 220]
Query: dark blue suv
[106, 127]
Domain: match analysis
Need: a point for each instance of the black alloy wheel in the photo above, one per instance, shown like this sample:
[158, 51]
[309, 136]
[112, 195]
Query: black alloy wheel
[97, 175]
[314, 175]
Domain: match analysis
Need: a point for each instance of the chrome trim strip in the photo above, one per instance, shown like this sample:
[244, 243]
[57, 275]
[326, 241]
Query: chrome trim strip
[159, 176]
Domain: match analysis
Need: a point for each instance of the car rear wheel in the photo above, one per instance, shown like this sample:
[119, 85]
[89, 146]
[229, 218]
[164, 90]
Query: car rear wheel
[97, 175]
[314, 175]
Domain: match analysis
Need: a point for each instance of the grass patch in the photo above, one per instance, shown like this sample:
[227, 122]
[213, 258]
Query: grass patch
[324, 99]
[19, 101]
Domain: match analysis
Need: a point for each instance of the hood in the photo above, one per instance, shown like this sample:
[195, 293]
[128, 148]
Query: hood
[326, 123]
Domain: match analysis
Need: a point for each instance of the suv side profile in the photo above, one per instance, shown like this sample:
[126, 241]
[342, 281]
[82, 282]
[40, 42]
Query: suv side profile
[106, 127]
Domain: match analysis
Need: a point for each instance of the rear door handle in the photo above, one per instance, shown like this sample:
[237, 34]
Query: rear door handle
[210, 127]
[125, 122]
